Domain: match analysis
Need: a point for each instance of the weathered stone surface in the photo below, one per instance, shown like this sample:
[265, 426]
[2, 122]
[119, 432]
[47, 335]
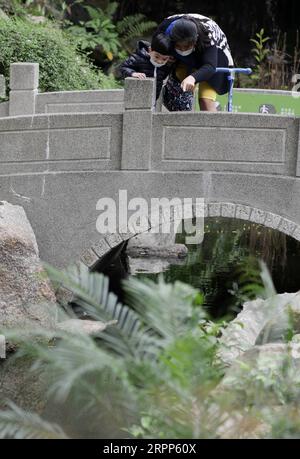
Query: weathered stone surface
[260, 322]
[228, 210]
[70, 180]
[258, 216]
[296, 234]
[89, 327]
[137, 144]
[64, 296]
[20, 386]
[101, 248]
[262, 357]
[90, 258]
[113, 240]
[24, 288]
[243, 212]
[174, 251]
[272, 220]
[284, 320]
[24, 76]
[162, 234]
[2, 86]
[151, 265]
[81, 101]
[287, 227]
[139, 94]
[24, 293]
[214, 209]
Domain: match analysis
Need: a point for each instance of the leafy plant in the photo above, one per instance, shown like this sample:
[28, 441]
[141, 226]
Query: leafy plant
[274, 66]
[144, 357]
[61, 66]
[261, 52]
[254, 281]
[53, 9]
[101, 31]
[152, 373]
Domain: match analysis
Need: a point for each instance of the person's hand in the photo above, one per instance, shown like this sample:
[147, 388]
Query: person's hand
[140, 76]
[188, 84]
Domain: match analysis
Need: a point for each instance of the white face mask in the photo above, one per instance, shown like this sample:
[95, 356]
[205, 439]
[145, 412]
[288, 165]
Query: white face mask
[156, 63]
[185, 53]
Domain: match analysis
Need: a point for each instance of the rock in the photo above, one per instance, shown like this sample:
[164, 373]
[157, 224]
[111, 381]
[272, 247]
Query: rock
[24, 286]
[283, 323]
[151, 265]
[256, 376]
[19, 385]
[268, 358]
[261, 321]
[89, 327]
[37, 19]
[168, 252]
[157, 245]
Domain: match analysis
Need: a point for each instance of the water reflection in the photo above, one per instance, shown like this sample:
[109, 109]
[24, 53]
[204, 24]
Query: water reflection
[229, 244]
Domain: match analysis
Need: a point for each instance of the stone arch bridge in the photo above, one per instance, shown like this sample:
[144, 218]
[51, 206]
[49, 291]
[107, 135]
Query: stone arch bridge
[61, 152]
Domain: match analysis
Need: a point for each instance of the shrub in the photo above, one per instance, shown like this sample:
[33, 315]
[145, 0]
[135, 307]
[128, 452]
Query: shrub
[62, 67]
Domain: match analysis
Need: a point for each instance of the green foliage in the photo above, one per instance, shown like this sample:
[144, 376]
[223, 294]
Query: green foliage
[11, 7]
[261, 52]
[61, 66]
[19, 424]
[153, 372]
[144, 354]
[53, 9]
[254, 281]
[102, 32]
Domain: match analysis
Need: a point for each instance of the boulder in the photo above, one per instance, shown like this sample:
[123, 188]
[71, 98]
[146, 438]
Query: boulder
[168, 252]
[261, 322]
[24, 286]
[268, 364]
[157, 245]
[89, 327]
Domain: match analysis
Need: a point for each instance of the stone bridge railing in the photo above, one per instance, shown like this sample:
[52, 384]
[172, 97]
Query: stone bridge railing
[126, 134]
[24, 98]
[61, 152]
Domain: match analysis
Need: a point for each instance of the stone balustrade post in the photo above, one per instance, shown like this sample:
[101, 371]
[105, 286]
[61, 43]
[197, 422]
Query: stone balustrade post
[137, 123]
[24, 82]
[2, 86]
[298, 155]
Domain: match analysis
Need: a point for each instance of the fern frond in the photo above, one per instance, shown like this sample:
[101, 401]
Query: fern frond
[130, 336]
[134, 26]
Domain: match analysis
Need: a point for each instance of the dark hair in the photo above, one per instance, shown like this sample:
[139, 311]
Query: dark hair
[189, 29]
[161, 44]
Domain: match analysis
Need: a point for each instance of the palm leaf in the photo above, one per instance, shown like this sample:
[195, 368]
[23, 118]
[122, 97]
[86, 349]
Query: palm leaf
[19, 424]
[129, 335]
[165, 308]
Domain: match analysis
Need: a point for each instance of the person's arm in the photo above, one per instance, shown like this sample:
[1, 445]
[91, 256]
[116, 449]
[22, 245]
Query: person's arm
[128, 67]
[210, 62]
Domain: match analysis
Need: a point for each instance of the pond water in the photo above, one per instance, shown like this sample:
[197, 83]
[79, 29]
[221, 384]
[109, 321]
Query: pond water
[229, 248]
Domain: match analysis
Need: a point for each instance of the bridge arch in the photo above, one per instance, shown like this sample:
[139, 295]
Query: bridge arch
[107, 243]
